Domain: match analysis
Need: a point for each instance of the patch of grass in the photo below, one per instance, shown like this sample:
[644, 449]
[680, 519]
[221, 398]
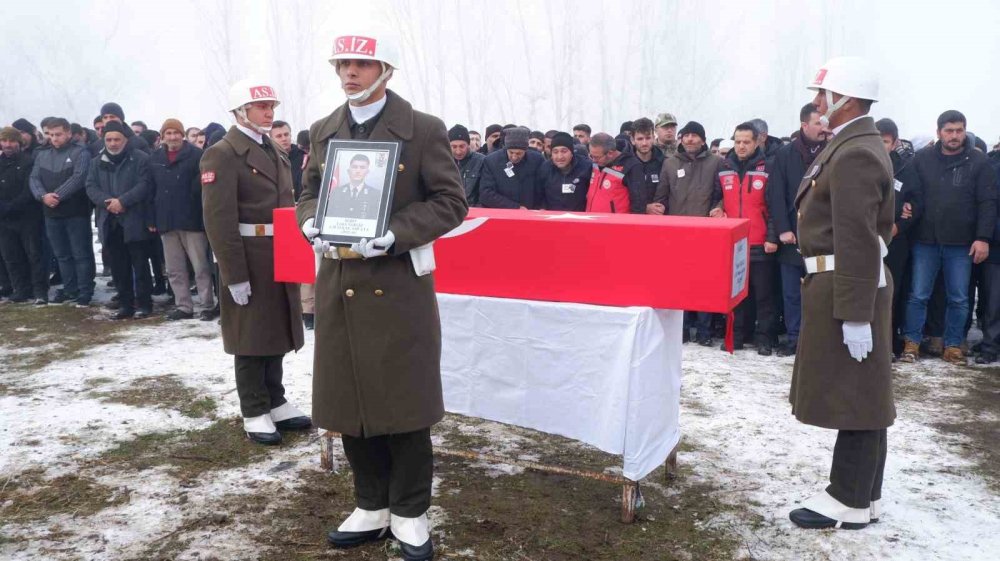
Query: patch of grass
[15, 391]
[976, 420]
[527, 516]
[32, 498]
[188, 454]
[91, 383]
[47, 334]
[164, 392]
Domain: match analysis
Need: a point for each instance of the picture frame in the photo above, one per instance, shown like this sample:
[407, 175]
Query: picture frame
[355, 197]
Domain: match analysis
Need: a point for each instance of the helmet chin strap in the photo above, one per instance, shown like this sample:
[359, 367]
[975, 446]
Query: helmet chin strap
[831, 108]
[363, 96]
[241, 118]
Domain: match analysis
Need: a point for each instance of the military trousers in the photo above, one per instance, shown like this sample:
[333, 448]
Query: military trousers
[858, 466]
[392, 471]
[258, 383]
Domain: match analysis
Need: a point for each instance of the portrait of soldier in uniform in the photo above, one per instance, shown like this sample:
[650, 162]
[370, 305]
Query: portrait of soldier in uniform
[357, 198]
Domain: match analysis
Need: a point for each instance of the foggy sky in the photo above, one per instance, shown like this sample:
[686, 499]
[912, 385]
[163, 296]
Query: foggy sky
[546, 65]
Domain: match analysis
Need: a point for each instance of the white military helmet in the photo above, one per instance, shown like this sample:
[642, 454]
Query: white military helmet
[380, 46]
[849, 76]
[250, 90]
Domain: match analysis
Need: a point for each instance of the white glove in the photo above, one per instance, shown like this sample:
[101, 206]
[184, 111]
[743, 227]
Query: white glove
[858, 338]
[321, 247]
[309, 230]
[240, 292]
[376, 247]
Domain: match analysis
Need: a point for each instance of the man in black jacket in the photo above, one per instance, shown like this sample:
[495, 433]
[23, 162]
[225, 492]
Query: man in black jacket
[470, 163]
[909, 196]
[788, 167]
[565, 176]
[281, 134]
[510, 176]
[118, 184]
[955, 232]
[177, 199]
[649, 155]
[113, 112]
[20, 223]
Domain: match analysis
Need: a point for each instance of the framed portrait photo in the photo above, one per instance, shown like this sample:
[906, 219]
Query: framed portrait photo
[355, 198]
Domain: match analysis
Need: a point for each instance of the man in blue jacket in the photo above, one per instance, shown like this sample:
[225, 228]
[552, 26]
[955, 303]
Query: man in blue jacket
[565, 177]
[119, 185]
[177, 197]
[511, 177]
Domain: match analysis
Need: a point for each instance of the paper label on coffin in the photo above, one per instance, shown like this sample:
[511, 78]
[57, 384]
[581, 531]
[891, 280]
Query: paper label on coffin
[661, 262]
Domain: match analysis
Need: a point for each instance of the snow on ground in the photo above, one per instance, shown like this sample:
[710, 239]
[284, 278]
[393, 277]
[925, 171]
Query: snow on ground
[735, 418]
[735, 411]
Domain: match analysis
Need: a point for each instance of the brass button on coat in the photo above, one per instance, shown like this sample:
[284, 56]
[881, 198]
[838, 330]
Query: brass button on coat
[349, 293]
[378, 292]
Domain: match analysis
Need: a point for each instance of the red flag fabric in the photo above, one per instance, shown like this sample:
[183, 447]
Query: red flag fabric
[294, 259]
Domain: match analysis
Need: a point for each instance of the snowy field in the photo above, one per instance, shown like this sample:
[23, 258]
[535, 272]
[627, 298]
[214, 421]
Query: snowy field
[93, 463]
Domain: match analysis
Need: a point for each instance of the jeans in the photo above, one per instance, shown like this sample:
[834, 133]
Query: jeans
[73, 245]
[956, 264]
[791, 292]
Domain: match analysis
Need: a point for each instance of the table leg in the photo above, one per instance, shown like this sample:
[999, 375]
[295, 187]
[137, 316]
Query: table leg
[326, 450]
[631, 501]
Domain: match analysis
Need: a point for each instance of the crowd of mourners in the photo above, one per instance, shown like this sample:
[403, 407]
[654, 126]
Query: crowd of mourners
[137, 191]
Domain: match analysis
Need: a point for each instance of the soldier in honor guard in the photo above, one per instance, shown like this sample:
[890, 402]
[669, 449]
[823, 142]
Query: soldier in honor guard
[244, 177]
[842, 378]
[377, 375]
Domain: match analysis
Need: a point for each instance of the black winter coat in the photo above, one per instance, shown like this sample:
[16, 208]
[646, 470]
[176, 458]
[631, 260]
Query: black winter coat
[177, 189]
[18, 207]
[566, 191]
[129, 182]
[906, 182]
[497, 189]
[960, 197]
[471, 169]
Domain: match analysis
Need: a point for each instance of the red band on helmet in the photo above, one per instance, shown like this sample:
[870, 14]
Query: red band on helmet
[260, 92]
[354, 45]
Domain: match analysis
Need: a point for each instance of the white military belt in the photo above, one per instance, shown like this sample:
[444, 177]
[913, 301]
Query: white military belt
[827, 263]
[256, 230]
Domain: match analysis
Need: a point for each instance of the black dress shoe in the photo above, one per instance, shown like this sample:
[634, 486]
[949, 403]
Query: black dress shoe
[764, 349]
[295, 423]
[422, 553]
[265, 438]
[209, 315]
[178, 314]
[705, 341]
[805, 518]
[354, 539]
[787, 349]
[986, 358]
[123, 314]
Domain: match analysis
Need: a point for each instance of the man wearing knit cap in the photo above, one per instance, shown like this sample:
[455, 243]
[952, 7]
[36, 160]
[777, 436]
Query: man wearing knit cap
[470, 164]
[492, 136]
[20, 224]
[177, 197]
[688, 188]
[666, 137]
[565, 176]
[113, 112]
[511, 177]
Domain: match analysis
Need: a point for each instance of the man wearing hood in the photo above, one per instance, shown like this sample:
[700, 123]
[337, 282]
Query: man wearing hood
[744, 185]
[28, 135]
[788, 167]
[119, 185]
[687, 187]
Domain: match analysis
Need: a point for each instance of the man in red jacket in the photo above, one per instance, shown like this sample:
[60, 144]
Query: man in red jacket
[617, 181]
[744, 186]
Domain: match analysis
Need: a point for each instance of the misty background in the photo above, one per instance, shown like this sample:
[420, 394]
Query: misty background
[543, 64]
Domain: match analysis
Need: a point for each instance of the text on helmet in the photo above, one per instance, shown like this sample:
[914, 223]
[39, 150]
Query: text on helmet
[353, 44]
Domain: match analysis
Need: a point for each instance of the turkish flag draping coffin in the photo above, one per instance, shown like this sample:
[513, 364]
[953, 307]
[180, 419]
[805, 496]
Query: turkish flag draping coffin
[667, 262]
[294, 260]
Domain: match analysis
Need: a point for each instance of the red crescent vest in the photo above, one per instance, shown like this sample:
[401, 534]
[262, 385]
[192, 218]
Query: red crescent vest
[745, 199]
[607, 191]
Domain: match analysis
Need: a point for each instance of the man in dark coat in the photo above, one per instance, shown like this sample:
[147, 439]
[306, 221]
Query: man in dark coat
[281, 134]
[470, 163]
[377, 375]
[954, 233]
[511, 176]
[119, 186]
[177, 196]
[20, 223]
[565, 176]
[650, 157]
[909, 208]
[243, 179]
[787, 170]
[842, 378]
[113, 112]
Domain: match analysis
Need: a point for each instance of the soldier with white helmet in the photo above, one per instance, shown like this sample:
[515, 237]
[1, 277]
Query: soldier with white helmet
[244, 178]
[377, 373]
[842, 377]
